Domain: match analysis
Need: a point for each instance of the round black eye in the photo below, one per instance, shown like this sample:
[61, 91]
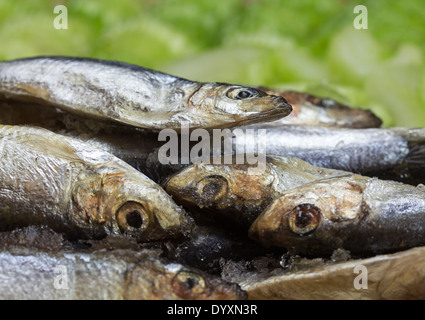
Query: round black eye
[134, 219]
[213, 188]
[304, 219]
[244, 94]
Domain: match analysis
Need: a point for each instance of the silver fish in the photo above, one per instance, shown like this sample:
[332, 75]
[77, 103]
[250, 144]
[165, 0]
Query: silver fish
[361, 214]
[135, 146]
[105, 275]
[135, 95]
[399, 152]
[311, 110]
[46, 178]
[355, 150]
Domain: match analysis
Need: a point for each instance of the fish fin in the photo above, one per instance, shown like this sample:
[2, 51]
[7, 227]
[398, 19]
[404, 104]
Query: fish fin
[51, 144]
[416, 156]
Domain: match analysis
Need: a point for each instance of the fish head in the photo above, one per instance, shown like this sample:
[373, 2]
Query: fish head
[194, 285]
[125, 204]
[314, 218]
[175, 281]
[308, 108]
[238, 104]
[221, 187]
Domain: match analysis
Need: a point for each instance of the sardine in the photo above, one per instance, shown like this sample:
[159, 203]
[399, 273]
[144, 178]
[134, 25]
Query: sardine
[230, 191]
[399, 152]
[105, 275]
[135, 95]
[387, 277]
[311, 110]
[361, 214]
[82, 191]
[135, 146]
[412, 169]
[355, 150]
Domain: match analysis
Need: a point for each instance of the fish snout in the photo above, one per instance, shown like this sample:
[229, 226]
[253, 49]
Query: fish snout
[268, 103]
[283, 104]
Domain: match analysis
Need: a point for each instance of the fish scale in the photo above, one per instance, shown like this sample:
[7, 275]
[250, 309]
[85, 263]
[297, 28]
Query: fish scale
[134, 95]
[105, 275]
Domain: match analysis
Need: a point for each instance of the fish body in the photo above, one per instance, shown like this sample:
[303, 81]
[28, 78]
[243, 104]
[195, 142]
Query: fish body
[134, 95]
[360, 214]
[391, 154]
[231, 191]
[355, 150]
[135, 146]
[82, 191]
[311, 110]
[105, 275]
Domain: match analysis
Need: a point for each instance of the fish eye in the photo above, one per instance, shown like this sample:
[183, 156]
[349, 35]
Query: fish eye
[242, 93]
[132, 217]
[304, 219]
[188, 285]
[213, 187]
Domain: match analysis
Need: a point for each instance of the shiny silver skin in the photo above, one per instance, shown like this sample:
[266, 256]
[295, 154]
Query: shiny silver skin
[30, 274]
[361, 214]
[355, 150]
[399, 151]
[135, 146]
[135, 95]
[82, 191]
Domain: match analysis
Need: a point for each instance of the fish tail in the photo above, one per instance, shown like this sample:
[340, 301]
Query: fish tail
[415, 164]
[416, 156]
[415, 138]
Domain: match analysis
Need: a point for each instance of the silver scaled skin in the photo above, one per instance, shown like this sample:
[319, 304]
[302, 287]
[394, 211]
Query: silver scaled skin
[135, 95]
[82, 191]
[396, 149]
[356, 213]
[355, 150]
[105, 275]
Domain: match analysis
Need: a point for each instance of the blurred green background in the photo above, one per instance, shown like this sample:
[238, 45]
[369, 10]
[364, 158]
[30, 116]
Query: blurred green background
[307, 45]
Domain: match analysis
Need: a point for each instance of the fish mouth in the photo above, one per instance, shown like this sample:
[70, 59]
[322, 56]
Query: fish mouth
[282, 110]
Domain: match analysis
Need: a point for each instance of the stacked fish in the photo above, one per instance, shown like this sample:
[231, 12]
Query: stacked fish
[79, 154]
